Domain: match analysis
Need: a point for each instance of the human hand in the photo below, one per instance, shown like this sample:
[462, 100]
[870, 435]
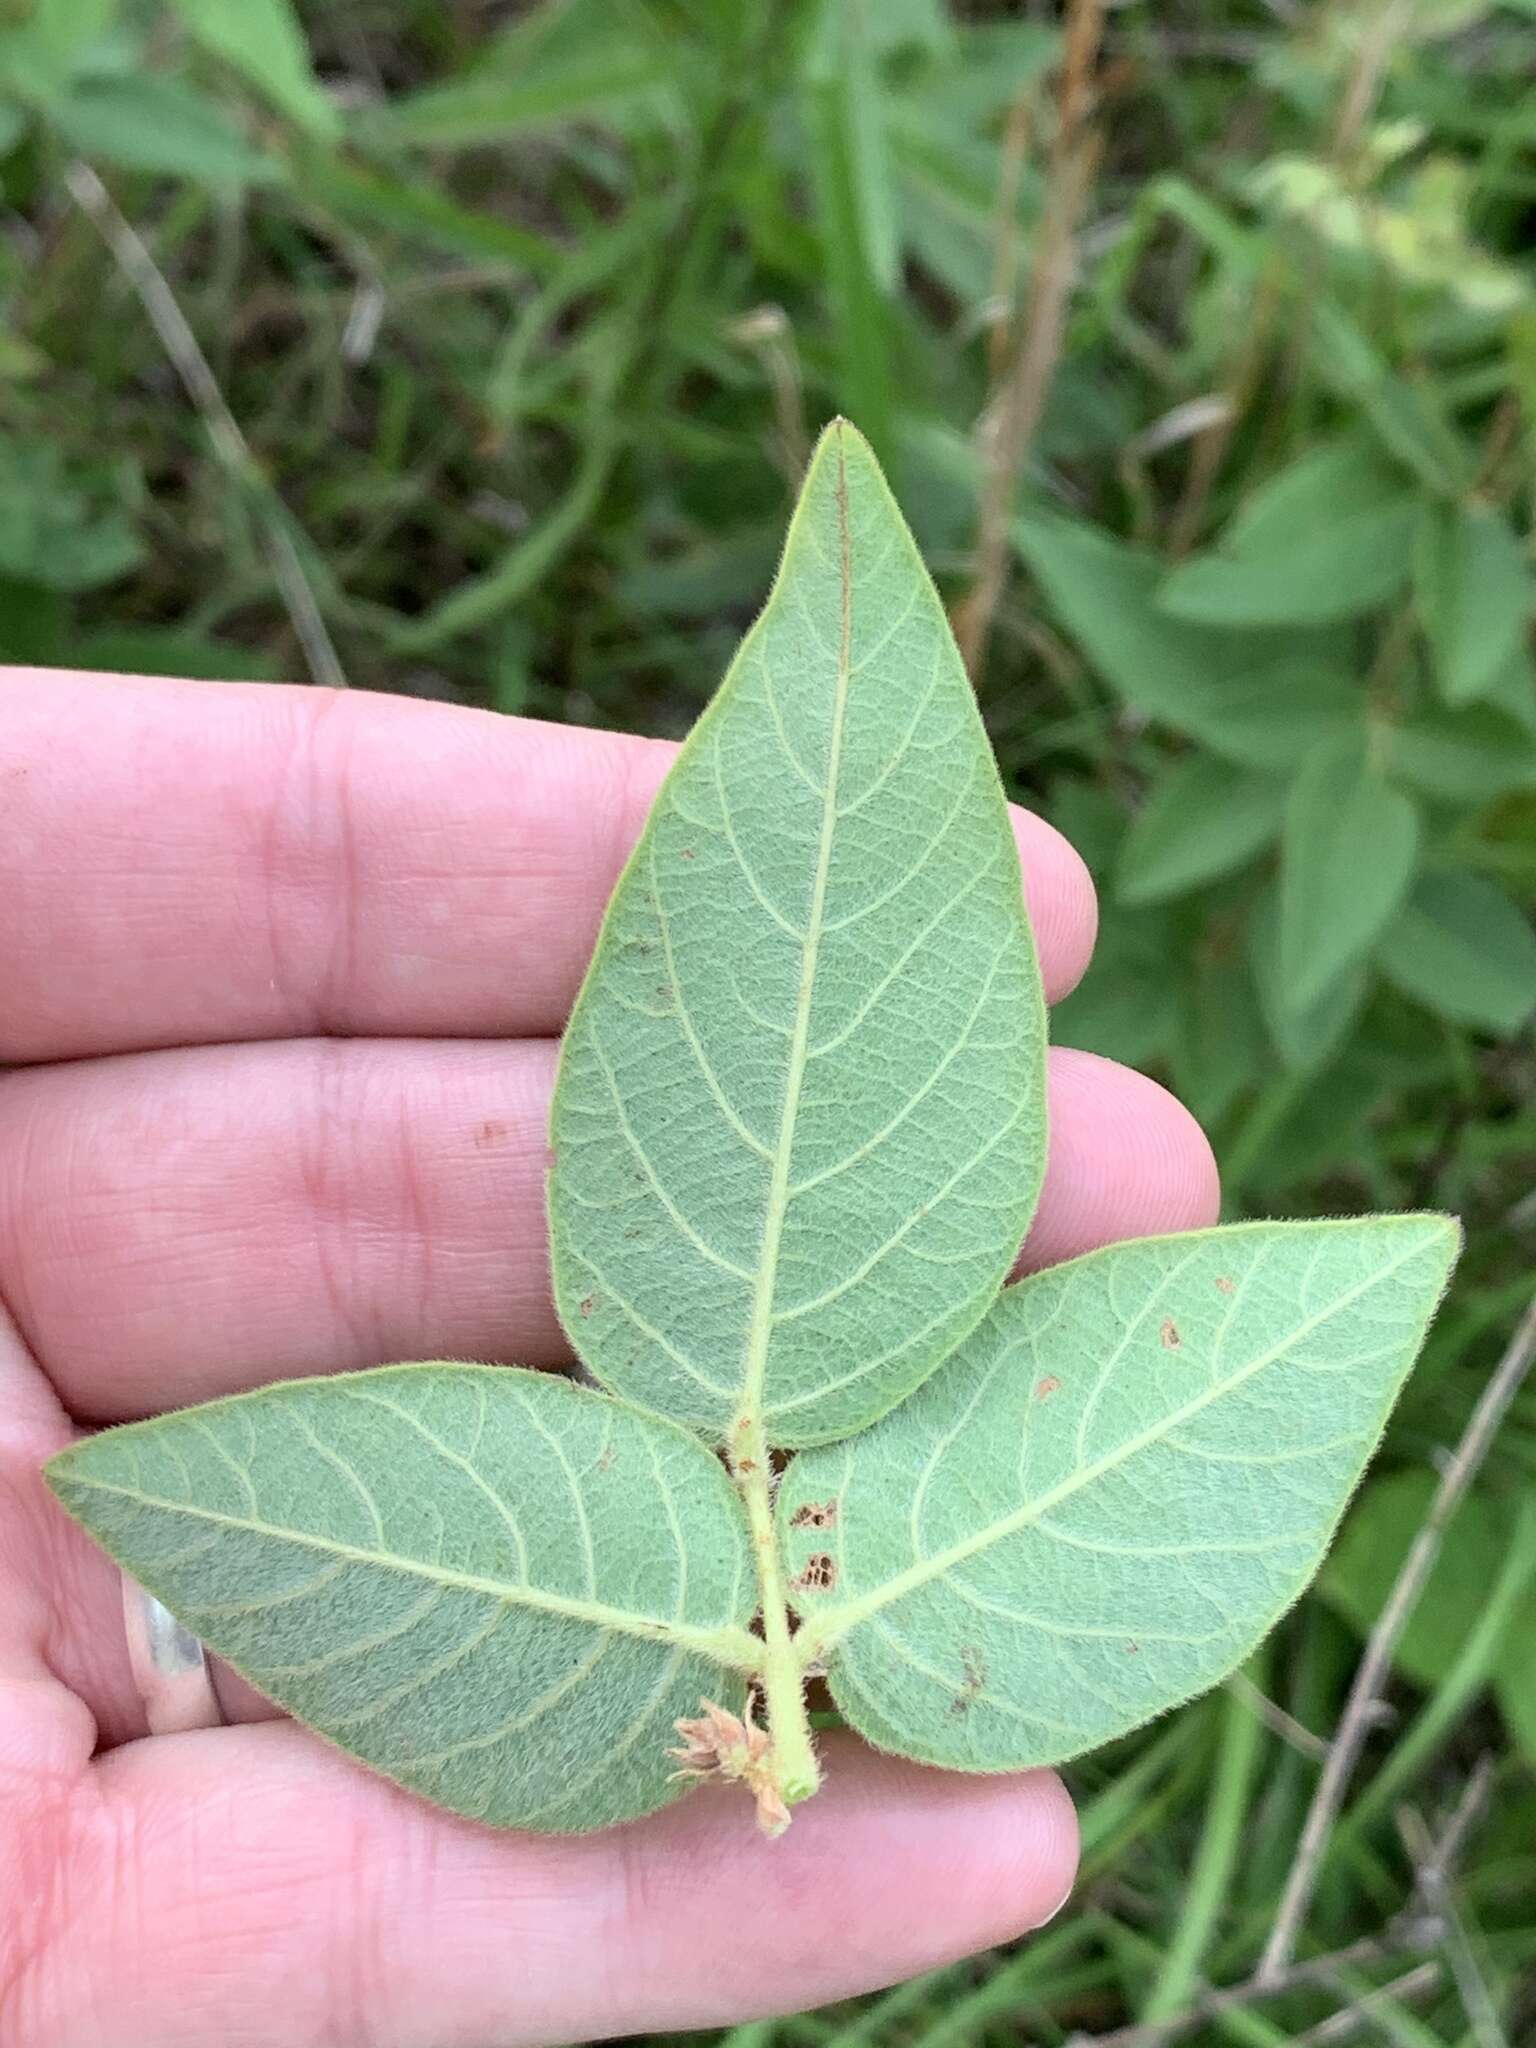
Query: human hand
[283, 973]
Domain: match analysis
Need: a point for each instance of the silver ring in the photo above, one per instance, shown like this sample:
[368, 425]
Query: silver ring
[169, 1666]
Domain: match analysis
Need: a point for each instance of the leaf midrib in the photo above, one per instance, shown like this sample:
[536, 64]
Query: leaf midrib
[735, 1647]
[829, 1626]
[761, 1326]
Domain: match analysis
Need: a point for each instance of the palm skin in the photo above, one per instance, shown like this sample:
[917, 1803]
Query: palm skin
[283, 976]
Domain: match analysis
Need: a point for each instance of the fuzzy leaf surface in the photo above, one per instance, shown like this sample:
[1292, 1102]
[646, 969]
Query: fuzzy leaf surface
[1115, 1488]
[799, 1123]
[495, 1587]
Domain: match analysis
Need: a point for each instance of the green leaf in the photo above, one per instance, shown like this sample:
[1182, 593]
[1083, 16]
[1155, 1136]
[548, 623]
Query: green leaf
[1259, 698]
[152, 124]
[1338, 570]
[1304, 1035]
[263, 39]
[1328, 538]
[69, 26]
[845, 155]
[842, 56]
[1464, 950]
[1126, 1007]
[1201, 819]
[1337, 480]
[1464, 755]
[57, 531]
[1221, 1047]
[423, 213]
[1114, 1489]
[1372, 1548]
[1347, 860]
[1515, 1685]
[493, 1586]
[1475, 597]
[1407, 418]
[1368, 1556]
[556, 66]
[173, 651]
[799, 1120]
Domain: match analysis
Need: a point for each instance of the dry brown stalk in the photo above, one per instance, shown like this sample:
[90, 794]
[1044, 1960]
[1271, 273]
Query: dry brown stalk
[1013, 415]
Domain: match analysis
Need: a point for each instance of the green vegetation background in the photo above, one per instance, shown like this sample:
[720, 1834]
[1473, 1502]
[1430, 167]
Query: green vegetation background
[1219, 343]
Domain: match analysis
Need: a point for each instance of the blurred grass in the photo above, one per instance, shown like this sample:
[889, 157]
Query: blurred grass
[524, 317]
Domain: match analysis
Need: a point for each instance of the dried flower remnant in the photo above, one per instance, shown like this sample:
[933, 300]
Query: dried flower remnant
[720, 1744]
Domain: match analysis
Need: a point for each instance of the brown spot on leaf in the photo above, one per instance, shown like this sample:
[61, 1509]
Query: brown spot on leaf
[1224, 1285]
[685, 853]
[1046, 1387]
[1170, 1334]
[974, 1665]
[819, 1576]
[586, 1305]
[747, 1465]
[814, 1514]
[605, 1459]
[1133, 1649]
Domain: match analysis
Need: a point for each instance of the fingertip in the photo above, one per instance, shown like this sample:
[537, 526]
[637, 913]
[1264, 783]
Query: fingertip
[1126, 1159]
[1063, 903]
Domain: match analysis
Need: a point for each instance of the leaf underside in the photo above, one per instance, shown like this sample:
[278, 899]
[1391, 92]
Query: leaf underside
[799, 1125]
[798, 1134]
[495, 1587]
[1112, 1491]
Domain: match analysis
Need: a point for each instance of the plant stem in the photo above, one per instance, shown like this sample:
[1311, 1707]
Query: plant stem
[794, 1755]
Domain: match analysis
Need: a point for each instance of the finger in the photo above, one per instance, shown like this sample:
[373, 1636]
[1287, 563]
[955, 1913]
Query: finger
[249, 1213]
[185, 863]
[1126, 1159]
[322, 1906]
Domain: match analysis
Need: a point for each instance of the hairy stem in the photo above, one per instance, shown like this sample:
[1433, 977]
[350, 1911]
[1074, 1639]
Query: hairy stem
[794, 1757]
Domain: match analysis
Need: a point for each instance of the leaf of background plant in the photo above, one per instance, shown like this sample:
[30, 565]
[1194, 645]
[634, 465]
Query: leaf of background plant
[263, 39]
[1347, 859]
[799, 1123]
[1515, 1685]
[1466, 951]
[1126, 1006]
[1407, 418]
[1112, 1491]
[1221, 1046]
[1364, 1565]
[59, 528]
[841, 54]
[493, 1586]
[1475, 597]
[1340, 570]
[1201, 818]
[1303, 1036]
[69, 26]
[838, 158]
[146, 123]
[1514, 691]
[1373, 1544]
[1260, 698]
[557, 65]
[1465, 755]
[1336, 480]
[423, 213]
